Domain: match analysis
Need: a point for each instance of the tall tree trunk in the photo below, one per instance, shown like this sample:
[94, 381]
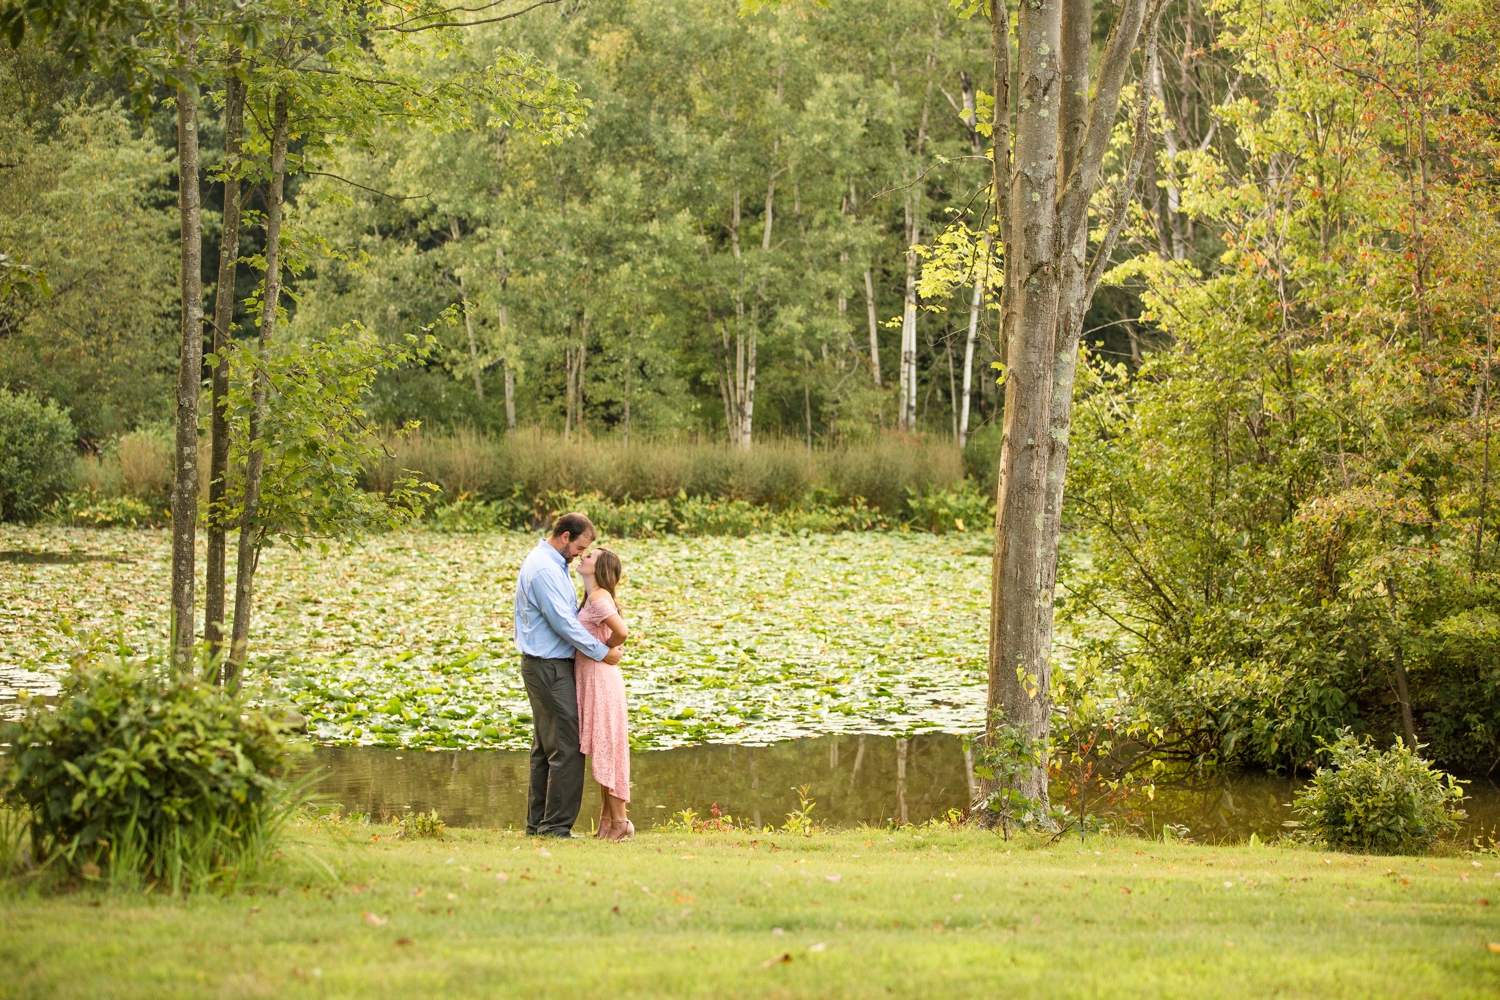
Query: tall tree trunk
[229, 252]
[190, 360]
[1049, 283]
[510, 376]
[463, 297]
[870, 309]
[981, 274]
[248, 556]
[1018, 682]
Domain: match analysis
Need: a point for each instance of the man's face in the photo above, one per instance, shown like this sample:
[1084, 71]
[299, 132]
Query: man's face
[576, 546]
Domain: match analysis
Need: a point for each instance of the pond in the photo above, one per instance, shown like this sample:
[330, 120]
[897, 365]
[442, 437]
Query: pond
[874, 780]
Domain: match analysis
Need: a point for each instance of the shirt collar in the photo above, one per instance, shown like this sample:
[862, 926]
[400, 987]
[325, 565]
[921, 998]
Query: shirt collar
[556, 555]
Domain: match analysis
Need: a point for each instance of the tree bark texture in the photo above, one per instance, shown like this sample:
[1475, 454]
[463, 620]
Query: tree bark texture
[1060, 140]
[218, 473]
[248, 555]
[190, 360]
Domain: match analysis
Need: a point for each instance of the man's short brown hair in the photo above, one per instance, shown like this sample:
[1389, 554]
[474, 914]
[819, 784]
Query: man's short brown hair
[574, 525]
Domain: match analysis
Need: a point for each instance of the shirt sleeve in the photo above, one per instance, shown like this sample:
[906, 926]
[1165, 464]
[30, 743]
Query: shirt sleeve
[556, 603]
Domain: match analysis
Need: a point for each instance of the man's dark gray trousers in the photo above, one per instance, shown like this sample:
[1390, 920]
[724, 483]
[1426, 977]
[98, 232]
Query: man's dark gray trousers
[556, 792]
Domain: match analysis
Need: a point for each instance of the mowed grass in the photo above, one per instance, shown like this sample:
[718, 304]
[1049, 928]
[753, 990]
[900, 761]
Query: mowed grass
[924, 913]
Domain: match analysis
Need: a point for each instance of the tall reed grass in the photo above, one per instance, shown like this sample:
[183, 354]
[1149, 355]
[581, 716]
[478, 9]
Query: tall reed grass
[777, 474]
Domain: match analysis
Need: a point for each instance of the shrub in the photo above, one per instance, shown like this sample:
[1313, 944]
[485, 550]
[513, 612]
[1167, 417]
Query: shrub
[1380, 803]
[144, 773]
[941, 510]
[88, 509]
[36, 454]
[420, 824]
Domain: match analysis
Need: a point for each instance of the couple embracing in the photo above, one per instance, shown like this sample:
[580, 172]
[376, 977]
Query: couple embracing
[569, 661]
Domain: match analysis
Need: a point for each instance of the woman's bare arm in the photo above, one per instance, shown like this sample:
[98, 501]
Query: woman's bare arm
[618, 633]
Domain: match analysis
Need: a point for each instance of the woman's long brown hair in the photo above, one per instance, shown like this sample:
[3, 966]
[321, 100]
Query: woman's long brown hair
[607, 572]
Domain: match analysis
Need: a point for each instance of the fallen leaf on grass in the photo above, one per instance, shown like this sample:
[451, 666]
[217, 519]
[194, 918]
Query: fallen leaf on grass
[785, 958]
[820, 946]
[403, 942]
[1126, 889]
[89, 870]
[835, 877]
[374, 919]
[615, 910]
[501, 877]
[1494, 946]
[958, 897]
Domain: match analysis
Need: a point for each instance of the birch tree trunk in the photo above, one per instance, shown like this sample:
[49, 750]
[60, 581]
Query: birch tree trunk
[874, 328]
[976, 146]
[190, 360]
[510, 376]
[248, 555]
[218, 473]
[463, 296]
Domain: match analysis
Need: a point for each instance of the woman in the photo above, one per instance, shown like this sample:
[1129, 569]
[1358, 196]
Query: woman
[602, 733]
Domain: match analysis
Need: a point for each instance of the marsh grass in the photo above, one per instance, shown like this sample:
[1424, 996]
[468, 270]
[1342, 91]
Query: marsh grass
[776, 474]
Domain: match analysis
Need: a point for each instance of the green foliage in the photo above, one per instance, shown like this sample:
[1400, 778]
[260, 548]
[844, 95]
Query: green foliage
[88, 508]
[963, 508]
[420, 824]
[800, 821]
[1299, 487]
[982, 456]
[611, 279]
[317, 439]
[36, 454]
[1382, 803]
[138, 772]
[86, 202]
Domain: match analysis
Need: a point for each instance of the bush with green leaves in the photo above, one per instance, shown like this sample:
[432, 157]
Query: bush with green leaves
[1379, 803]
[142, 772]
[36, 454]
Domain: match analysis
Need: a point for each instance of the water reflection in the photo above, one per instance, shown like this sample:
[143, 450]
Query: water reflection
[853, 779]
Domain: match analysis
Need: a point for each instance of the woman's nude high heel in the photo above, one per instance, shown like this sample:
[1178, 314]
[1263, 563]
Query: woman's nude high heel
[621, 830]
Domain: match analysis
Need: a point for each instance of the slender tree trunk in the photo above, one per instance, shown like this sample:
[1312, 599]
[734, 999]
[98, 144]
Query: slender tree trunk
[981, 274]
[510, 400]
[463, 296]
[251, 533]
[229, 251]
[510, 376]
[870, 308]
[190, 361]
[1403, 693]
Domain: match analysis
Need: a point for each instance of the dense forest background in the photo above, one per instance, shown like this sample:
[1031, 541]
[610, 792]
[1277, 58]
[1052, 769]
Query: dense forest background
[1279, 496]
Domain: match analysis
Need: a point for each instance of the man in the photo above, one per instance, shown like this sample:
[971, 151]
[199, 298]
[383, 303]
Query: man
[547, 633]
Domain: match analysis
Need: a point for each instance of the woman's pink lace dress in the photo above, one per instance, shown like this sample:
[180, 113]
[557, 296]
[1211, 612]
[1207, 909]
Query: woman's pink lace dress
[602, 735]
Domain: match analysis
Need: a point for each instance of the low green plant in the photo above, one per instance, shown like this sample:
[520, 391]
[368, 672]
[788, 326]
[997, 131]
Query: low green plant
[941, 509]
[36, 454]
[799, 821]
[88, 508]
[1379, 803]
[144, 773]
[420, 824]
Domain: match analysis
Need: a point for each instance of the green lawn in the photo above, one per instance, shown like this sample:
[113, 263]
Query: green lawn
[911, 913]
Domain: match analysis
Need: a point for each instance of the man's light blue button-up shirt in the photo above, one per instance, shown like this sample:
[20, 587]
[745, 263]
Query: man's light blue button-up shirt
[547, 623]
